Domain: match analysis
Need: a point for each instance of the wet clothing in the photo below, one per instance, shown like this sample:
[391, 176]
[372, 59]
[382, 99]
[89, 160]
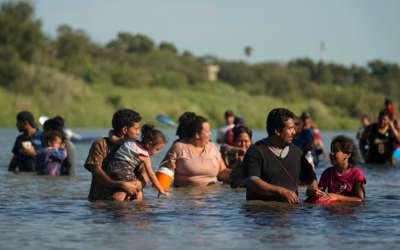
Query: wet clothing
[48, 160]
[380, 146]
[122, 167]
[191, 168]
[68, 166]
[100, 154]
[341, 184]
[259, 163]
[27, 163]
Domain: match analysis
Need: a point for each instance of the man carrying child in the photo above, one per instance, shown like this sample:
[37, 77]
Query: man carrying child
[126, 124]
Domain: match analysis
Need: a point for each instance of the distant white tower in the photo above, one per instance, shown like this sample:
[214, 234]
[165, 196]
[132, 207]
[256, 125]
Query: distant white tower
[322, 51]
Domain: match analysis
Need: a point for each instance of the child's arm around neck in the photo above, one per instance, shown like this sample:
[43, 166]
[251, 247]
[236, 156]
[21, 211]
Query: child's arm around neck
[115, 139]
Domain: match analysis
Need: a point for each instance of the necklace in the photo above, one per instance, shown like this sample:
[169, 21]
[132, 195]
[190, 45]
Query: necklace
[343, 185]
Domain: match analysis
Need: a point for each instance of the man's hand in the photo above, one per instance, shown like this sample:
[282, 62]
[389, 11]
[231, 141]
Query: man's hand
[314, 192]
[290, 196]
[131, 187]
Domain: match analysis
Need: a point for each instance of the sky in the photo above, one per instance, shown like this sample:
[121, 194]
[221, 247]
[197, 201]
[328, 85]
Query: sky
[353, 31]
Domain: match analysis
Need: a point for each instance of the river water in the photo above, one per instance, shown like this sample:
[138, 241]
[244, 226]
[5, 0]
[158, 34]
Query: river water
[39, 212]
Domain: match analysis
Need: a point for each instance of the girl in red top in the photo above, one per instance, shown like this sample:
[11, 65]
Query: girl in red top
[343, 180]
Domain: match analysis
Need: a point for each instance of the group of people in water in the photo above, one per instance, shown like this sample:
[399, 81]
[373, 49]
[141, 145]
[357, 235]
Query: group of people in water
[270, 169]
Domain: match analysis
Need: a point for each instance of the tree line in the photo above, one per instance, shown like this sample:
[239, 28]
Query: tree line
[135, 60]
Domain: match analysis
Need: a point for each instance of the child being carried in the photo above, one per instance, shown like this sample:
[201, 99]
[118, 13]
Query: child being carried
[131, 155]
[48, 160]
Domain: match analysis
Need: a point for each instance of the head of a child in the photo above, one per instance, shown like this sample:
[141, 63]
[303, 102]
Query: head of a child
[126, 123]
[343, 151]
[152, 139]
[54, 138]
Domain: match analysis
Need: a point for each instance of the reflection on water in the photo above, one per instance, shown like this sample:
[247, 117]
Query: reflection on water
[39, 212]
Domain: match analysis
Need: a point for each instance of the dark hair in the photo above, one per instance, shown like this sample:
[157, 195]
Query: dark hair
[151, 134]
[26, 116]
[388, 101]
[228, 113]
[277, 118]
[241, 129]
[365, 117]
[190, 124]
[347, 146]
[53, 125]
[51, 135]
[384, 113]
[124, 117]
[60, 120]
[181, 130]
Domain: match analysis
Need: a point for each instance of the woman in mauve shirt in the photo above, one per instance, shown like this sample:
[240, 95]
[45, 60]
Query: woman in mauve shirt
[196, 160]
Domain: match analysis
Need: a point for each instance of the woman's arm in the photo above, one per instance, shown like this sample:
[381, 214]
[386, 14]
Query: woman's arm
[224, 172]
[147, 165]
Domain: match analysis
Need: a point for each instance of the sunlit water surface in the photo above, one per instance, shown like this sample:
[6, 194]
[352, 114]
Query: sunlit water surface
[53, 213]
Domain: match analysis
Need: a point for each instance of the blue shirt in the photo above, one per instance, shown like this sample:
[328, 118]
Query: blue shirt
[27, 163]
[303, 139]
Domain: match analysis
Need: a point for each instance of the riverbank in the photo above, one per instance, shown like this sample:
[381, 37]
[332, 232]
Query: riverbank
[93, 106]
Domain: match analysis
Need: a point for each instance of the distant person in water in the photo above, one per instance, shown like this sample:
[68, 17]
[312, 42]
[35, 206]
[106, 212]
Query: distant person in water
[239, 121]
[378, 139]
[68, 166]
[233, 156]
[26, 144]
[272, 167]
[343, 180]
[304, 139]
[319, 145]
[48, 160]
[365, 121]
[390, 109]
[229, 124]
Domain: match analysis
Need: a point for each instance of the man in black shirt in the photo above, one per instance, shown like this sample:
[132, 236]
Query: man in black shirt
[380, 138]
[273, 167]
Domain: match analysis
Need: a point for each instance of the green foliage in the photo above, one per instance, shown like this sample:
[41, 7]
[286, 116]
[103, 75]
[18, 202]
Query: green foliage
[132, 78]
[87, 82]
[19, 29]
[10, 66]
[169, 79]
[168, 47]
[72, 49]
[127, 42]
